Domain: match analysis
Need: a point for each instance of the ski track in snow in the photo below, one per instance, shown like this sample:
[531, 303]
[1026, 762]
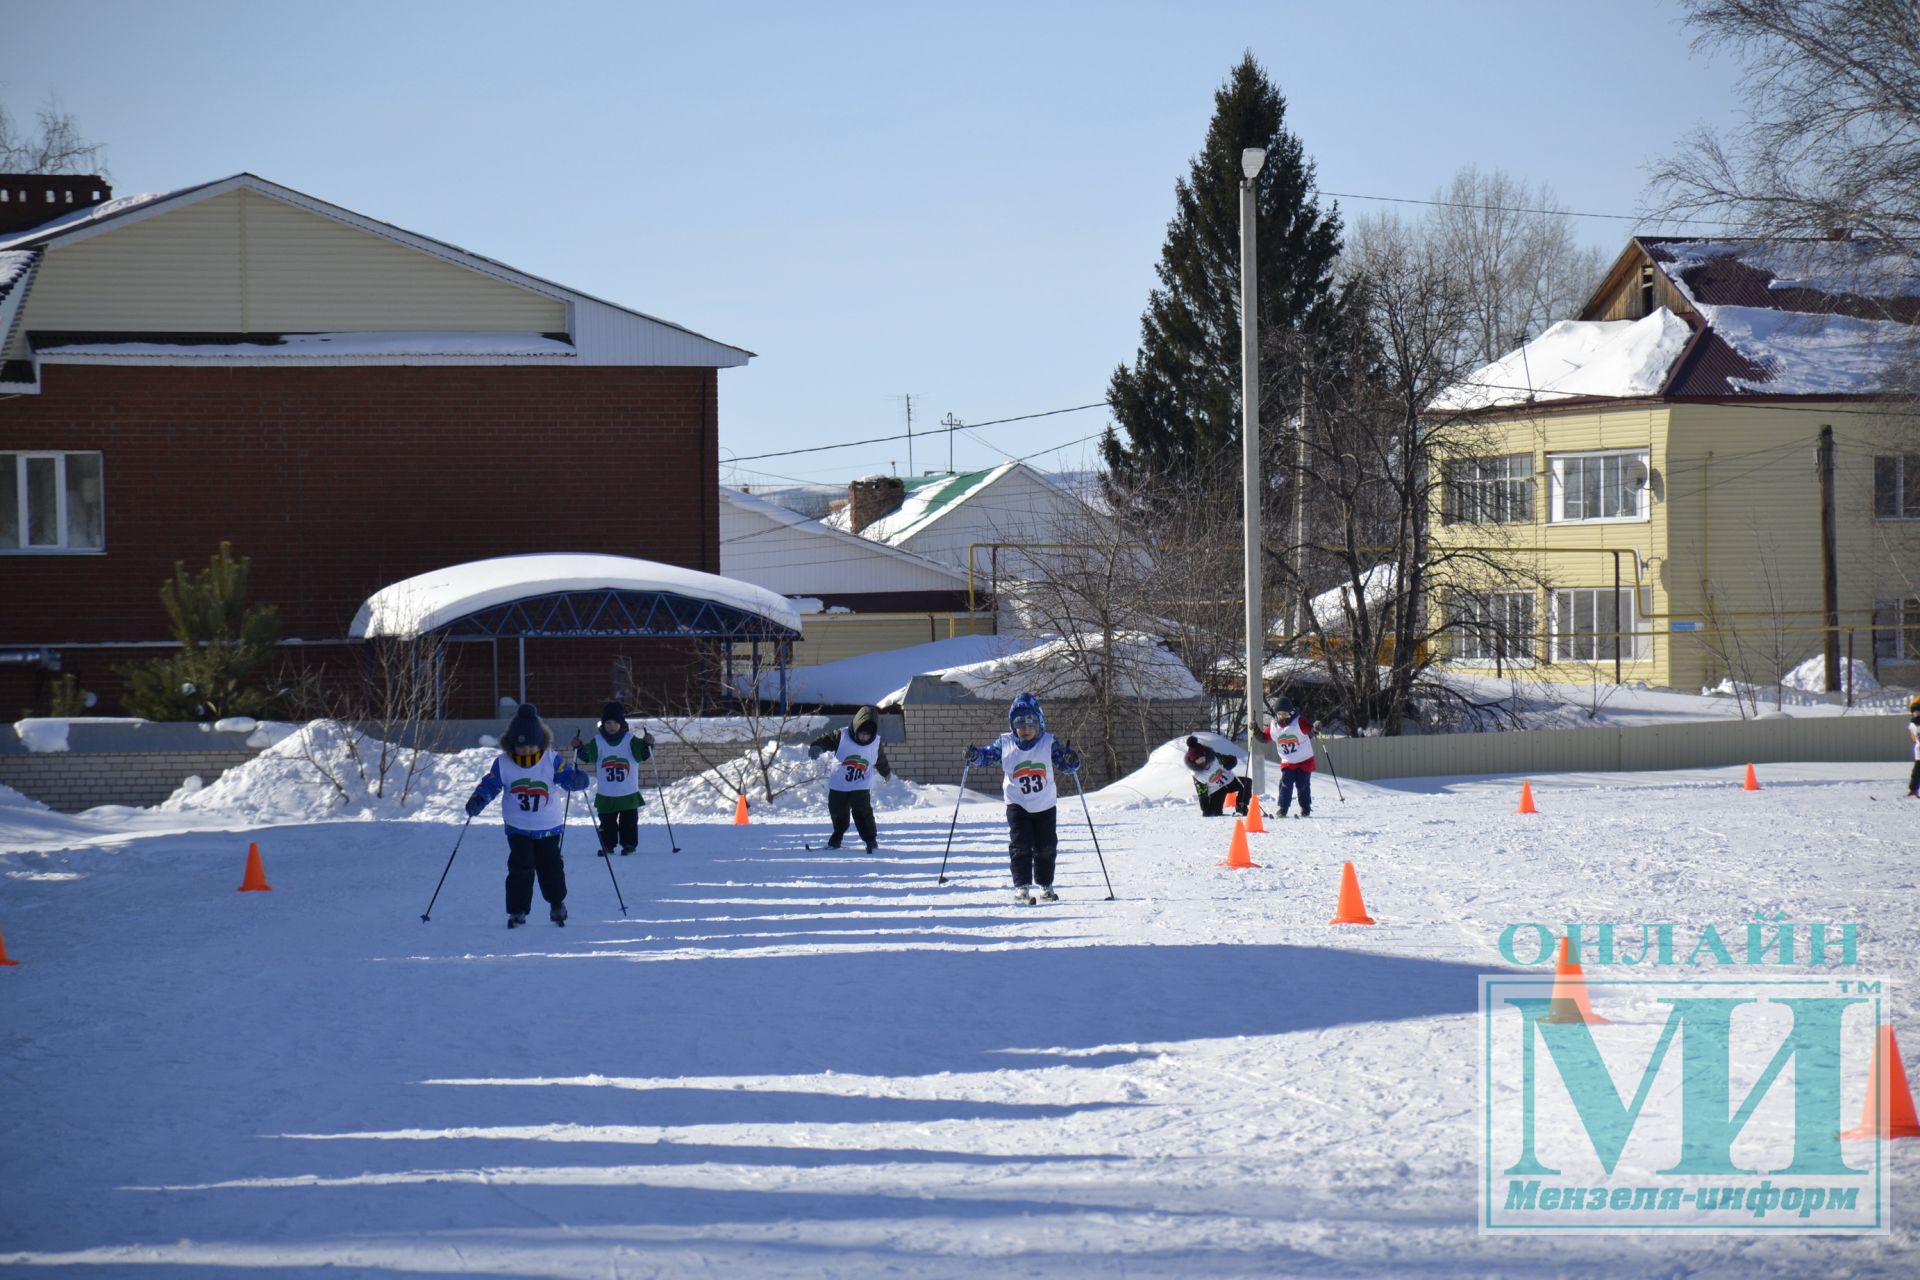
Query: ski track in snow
[783, 1063]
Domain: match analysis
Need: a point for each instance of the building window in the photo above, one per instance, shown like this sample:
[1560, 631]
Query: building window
[1896, 631]
[1896, 487]
[51, 502]
[1489, 490]
[1495, 628]
[1599, 486]
[1597, 624]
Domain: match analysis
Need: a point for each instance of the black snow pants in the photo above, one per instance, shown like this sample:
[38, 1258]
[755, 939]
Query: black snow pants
[1033, 843]
[855, 805]
[528, 857]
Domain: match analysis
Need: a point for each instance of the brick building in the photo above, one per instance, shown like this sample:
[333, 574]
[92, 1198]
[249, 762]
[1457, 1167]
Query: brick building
[346, 402]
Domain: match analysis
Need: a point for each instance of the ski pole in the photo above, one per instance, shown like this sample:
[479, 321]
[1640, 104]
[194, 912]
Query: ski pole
[443, 871]
[616, 882]
[1331, 769]
[1086, 809]
[660, 791]
[964, 770]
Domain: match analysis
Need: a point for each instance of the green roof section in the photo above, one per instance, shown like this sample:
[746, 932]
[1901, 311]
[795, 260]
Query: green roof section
[950, 489]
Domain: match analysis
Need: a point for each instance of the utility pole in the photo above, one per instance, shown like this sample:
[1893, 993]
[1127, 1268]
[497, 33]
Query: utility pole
[952, 424]
[1829, 568]
[909, 433]
[1251, 161]
[1300, 515]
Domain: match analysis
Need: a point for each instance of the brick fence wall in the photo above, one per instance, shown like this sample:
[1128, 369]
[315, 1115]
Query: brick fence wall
[71, 781]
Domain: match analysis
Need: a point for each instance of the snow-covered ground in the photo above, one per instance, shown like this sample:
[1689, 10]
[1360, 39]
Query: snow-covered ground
[790, 1063]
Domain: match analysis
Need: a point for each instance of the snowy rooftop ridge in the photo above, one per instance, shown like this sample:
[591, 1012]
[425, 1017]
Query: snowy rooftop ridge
[296, 347]
[1615, 359]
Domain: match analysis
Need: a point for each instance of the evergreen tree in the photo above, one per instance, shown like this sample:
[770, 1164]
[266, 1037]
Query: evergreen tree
[1180, 402]
[223, 641]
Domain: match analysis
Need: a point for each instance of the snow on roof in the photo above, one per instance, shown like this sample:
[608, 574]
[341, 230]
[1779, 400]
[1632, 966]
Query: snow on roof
[928, 498]
[430, 600]
[81, 217]
[804, 526]
[1377, 586]
[1807, 354]
[13, 265]
[303, 347]
[1575, 358]
[1146, 668]
[878, 678]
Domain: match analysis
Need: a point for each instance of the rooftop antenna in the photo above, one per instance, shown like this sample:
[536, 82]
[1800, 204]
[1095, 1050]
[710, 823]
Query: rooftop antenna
[909, 398]
[952, 424]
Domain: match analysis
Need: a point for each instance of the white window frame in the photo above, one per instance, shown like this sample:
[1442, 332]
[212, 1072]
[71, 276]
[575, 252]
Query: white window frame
[1906, 486]
[1472, 609]
[62, 547]
[1487, 498]
[1558, 465]
[1635, 647]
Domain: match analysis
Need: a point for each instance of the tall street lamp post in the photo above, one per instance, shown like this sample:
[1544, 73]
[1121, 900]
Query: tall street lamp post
[1251, 161]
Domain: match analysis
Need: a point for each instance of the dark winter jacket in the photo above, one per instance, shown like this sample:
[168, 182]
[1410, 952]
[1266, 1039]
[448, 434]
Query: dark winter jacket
[866, 719]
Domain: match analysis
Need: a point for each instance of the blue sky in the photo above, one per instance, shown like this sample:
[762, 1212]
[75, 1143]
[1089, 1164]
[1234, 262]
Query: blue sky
[964, 203]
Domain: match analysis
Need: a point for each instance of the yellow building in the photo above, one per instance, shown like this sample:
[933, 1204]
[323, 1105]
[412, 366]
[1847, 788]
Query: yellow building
[1646, 484]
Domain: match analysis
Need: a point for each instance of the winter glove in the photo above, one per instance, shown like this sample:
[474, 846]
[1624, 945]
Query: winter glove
[1200, 789]
[475, 803]
[813, 753]
[976, 756]
[1070, 759]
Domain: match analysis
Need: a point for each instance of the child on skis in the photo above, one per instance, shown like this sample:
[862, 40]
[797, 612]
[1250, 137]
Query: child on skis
[857, 756]
[1292, 735]
[1029, 756]
[1217, 779]
[524, 776]
[615, 755]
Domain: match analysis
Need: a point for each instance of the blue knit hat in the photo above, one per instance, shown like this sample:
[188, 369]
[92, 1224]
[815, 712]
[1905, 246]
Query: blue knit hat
[1026, 705]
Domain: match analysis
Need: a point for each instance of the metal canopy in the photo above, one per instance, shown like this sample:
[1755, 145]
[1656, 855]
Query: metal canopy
[613, 612]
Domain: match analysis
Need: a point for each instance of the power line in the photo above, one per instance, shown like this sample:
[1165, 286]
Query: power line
[1497, 208]
[962, 426]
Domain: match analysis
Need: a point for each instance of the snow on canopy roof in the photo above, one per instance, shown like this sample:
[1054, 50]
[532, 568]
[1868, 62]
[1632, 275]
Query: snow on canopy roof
[1576, 358]
[433, 600]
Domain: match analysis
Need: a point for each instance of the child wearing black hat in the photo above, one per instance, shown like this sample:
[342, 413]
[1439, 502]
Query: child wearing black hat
[525, 776]
[857, 755]
[1217, 778]
[615, 755]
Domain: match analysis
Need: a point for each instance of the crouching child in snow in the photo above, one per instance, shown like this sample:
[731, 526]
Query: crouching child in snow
[1031, 760]
[524, 777]
[1913, 734]
[615, 755]
[1218, 780]
[857, 755]
[1291, 733]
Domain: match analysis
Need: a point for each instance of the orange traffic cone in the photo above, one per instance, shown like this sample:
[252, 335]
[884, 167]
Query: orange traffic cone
[1753, 783]
[740, 812]
[256, 878]
[1526, 799]
[1352, 909]
[1568, 1002]
[3, 954]
[1886, 1075]
[1255, 826]
[1237, 855]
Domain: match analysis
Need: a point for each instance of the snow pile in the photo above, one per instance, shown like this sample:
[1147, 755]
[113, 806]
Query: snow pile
[1145, 668]
[1333, 608]
[1806, 354]
[11, 799]
[41, 734]
[1615, 358]
[1162, 781]
[326, 771]
[1811, 675]
[800, 784]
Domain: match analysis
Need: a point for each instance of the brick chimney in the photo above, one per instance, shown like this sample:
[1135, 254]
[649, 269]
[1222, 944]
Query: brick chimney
[29, 199]
[873, 497]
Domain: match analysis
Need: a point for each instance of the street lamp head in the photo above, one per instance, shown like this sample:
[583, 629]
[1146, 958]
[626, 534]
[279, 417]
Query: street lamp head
[1251, 160]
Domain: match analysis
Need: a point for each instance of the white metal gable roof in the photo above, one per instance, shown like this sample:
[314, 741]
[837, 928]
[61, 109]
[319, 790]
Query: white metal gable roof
[603, 333]
[796, 555]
